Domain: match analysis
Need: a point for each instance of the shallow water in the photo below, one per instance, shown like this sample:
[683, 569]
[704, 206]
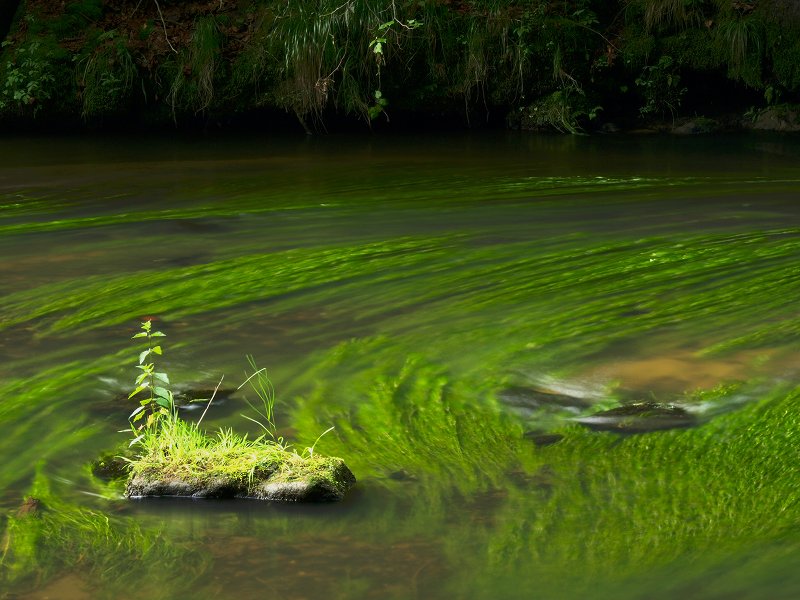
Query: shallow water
[394, 288]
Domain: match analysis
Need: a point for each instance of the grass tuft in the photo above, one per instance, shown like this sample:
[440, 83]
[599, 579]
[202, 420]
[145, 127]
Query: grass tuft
[181, 451]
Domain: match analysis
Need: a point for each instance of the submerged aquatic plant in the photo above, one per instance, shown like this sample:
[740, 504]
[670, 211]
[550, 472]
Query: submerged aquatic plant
[49, 536]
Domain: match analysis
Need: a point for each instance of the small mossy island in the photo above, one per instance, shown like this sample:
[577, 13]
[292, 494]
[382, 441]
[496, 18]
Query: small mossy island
[177, 458]
[180, 460]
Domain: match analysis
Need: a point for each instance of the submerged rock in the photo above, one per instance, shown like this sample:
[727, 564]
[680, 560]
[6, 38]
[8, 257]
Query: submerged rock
[522, 399]
[541, 439]
[639, 417]
[297, 479]
[112, 466]
[30, 507]
[185, 399]
[402, 475]
[197, 396]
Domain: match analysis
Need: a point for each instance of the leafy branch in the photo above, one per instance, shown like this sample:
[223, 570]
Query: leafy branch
[159, 402]
[378, 43]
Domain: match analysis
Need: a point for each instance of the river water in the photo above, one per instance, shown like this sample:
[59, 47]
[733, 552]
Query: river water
[451, 306]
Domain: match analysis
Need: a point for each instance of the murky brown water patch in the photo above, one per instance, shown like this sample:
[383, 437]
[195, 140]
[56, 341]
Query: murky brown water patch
[686, 371]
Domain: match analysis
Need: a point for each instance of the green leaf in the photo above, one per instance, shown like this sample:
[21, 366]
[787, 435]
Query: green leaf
[140, 388]
[156, 350]
[141, 378]
[143, 354]
[136, 439]
[141, 334]
[158, 334]
[164, 402]
[161, 392]
[137, 413]
[162, 377]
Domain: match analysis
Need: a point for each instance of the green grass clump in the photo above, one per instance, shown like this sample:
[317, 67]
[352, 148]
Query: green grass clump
[177, 458]
[194, 71]
[180, 450]
[106, 74]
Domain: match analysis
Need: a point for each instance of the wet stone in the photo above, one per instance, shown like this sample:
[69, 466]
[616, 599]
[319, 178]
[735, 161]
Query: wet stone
[401, 475]
[639, 417]
[184, 397]
[527, 400]
[111, 466]
[187, 399]
[30, 507]
[323, 480]
[542, 439]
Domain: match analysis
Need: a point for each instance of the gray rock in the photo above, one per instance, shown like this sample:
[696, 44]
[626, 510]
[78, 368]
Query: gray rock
[639, 417]
[525, 401]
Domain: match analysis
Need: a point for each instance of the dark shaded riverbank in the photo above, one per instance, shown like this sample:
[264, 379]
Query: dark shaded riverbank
[574, 66]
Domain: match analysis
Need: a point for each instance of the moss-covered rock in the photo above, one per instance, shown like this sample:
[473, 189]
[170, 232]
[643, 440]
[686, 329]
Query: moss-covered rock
[177, 459]
[297, 479]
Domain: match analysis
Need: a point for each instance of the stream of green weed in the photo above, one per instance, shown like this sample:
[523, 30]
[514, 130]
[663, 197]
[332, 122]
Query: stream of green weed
[396, 289]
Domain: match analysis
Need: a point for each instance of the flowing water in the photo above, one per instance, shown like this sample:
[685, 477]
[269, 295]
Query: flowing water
[451, 305]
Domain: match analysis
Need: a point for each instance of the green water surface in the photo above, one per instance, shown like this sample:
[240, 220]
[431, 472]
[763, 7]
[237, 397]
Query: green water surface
[396, 289]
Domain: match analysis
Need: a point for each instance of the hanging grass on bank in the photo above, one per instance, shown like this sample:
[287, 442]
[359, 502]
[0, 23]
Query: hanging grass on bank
[369, 59]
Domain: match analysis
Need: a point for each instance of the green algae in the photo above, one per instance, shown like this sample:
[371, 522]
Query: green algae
[717, 490]
[570, 300]
[62, 536]
[402, 338]
[593, 512]
[722, 489]
[500, 189]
